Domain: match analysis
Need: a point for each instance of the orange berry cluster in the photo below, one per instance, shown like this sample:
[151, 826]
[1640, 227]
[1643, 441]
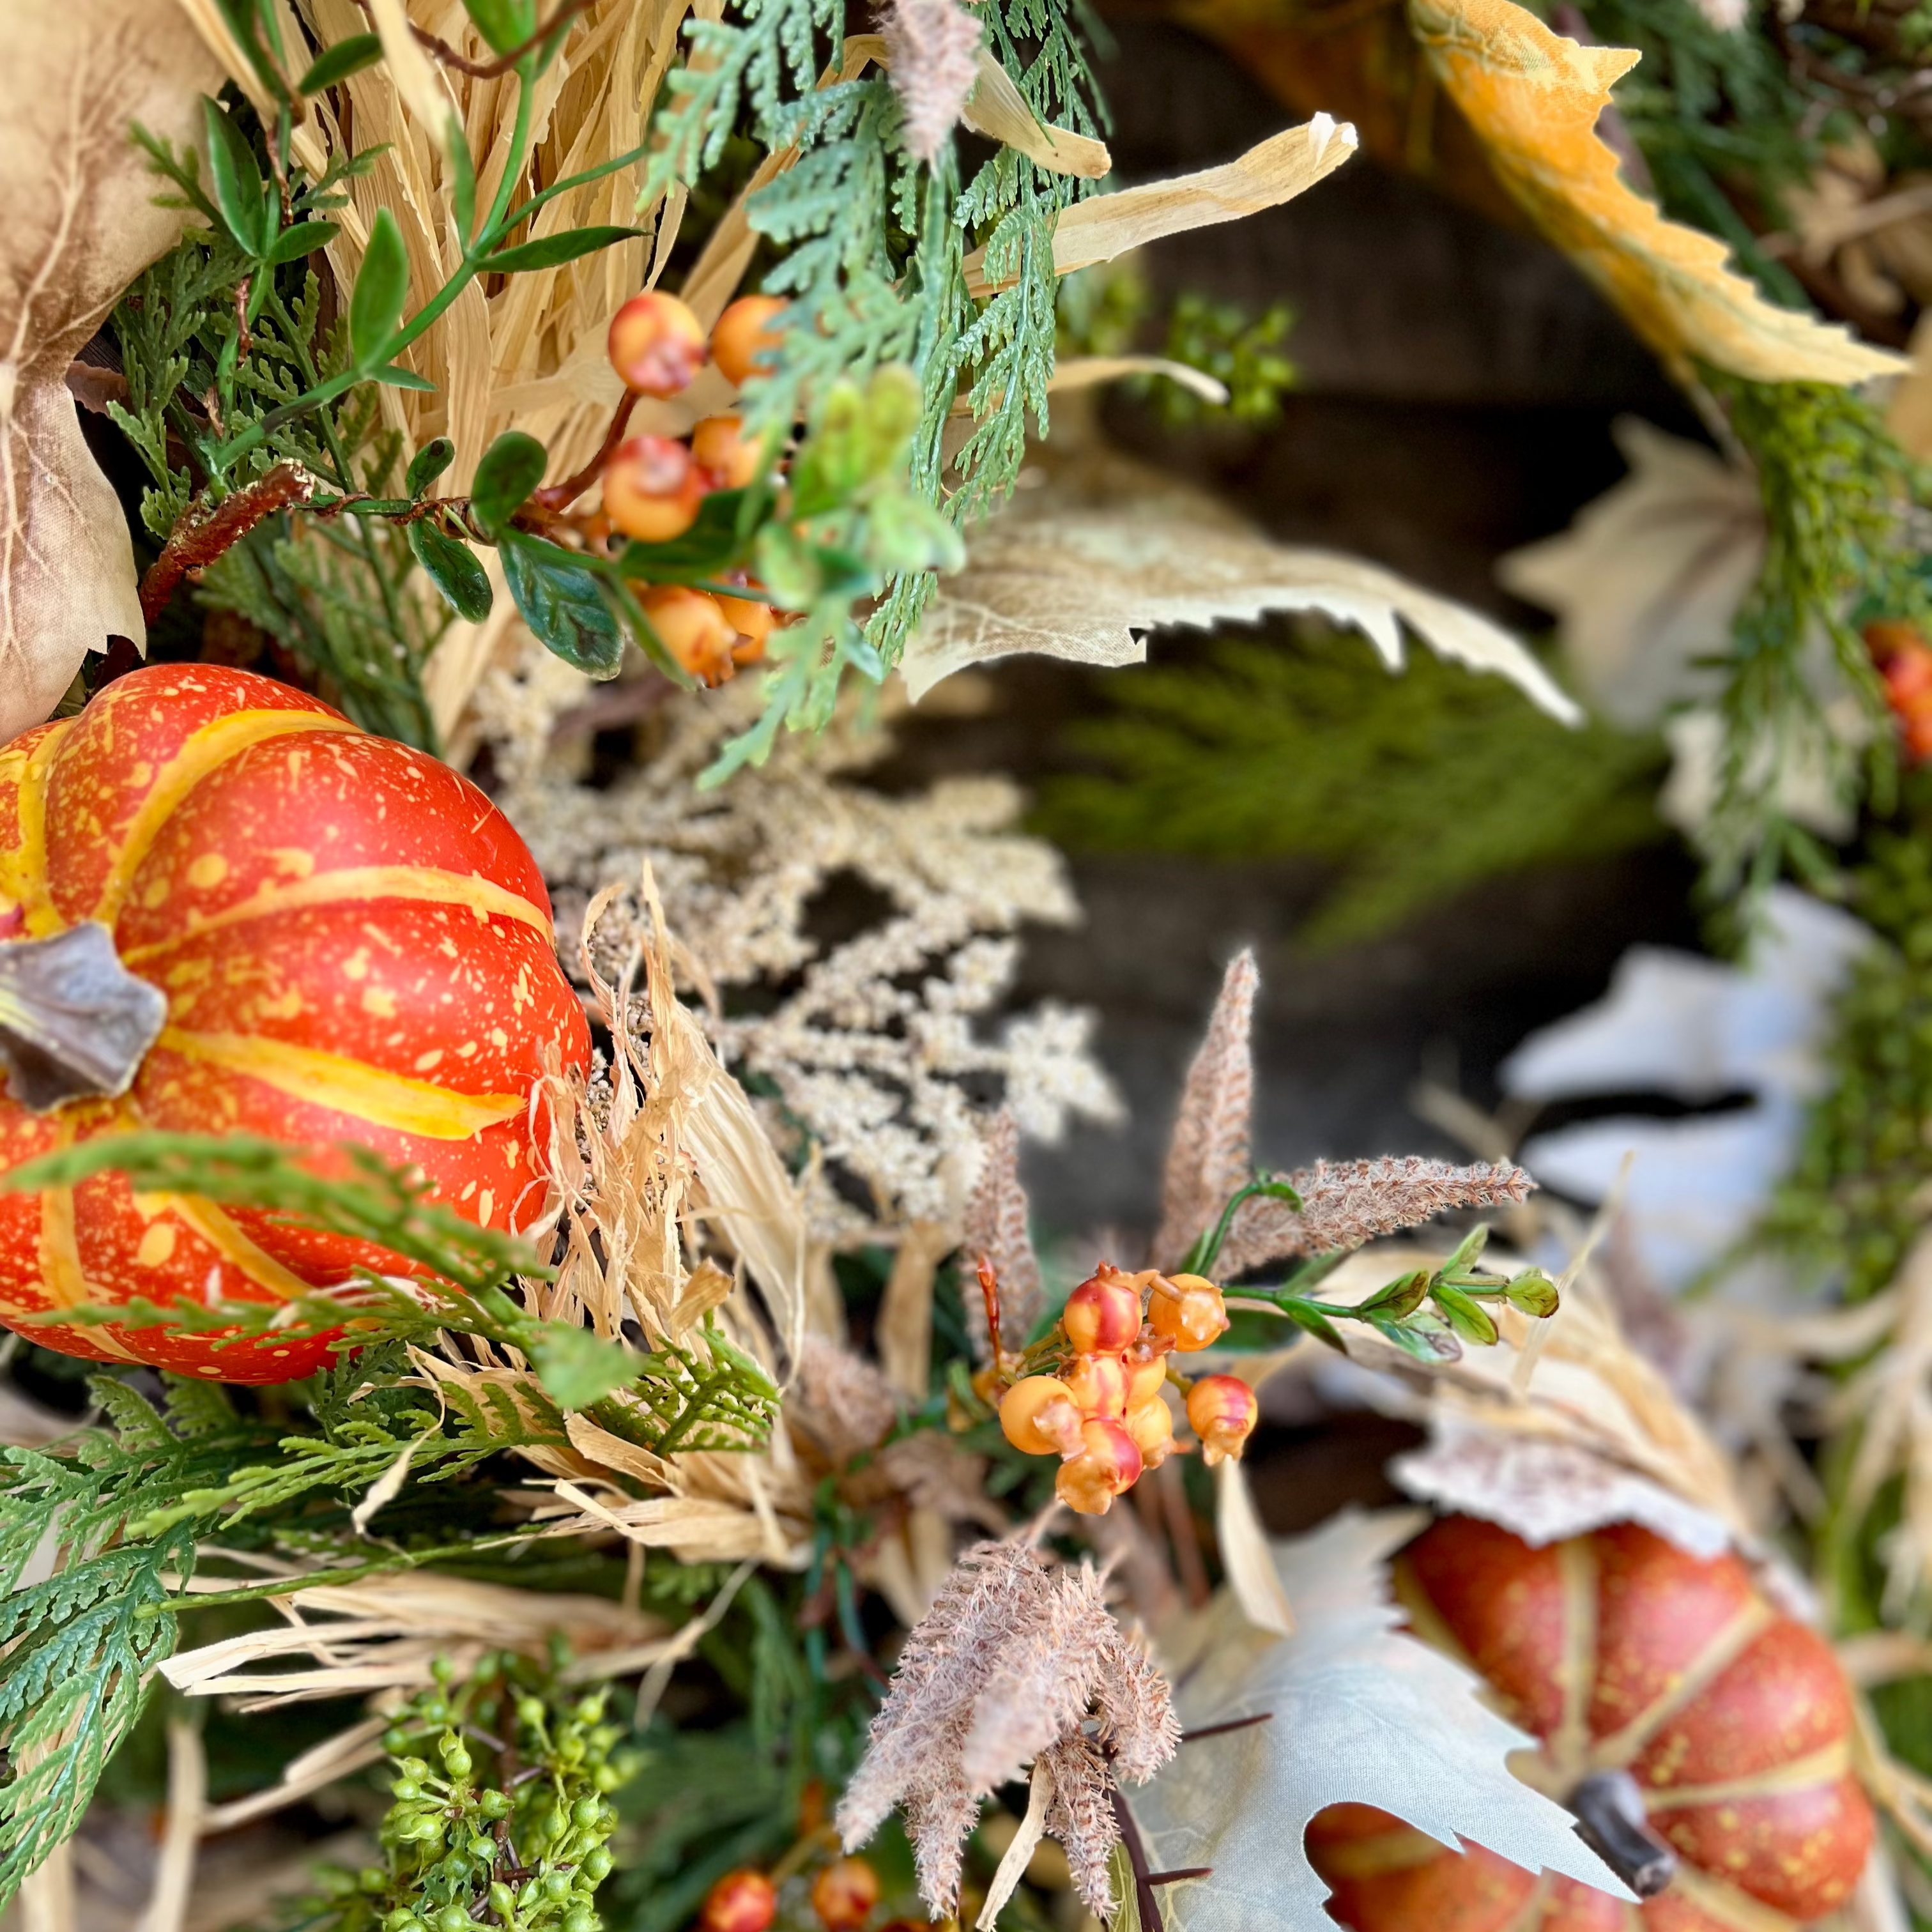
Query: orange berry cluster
[844, 1895]
[1904, 662]
[1105, 1415]
[655, 485]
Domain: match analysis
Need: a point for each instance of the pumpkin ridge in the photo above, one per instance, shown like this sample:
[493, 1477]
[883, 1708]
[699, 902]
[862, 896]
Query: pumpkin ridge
[1579, 1573]
[428, 885]
[201, 754]
[1618, 1749]
[1725, 1904]
[23, 866]
[1426, 1624]
[372, 1094]
[61, 1273]
[1826, 1765]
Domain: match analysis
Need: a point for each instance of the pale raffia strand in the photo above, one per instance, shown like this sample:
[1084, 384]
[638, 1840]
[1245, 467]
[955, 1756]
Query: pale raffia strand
[1207, 1157]
[996, 1231]
[1346, 1203]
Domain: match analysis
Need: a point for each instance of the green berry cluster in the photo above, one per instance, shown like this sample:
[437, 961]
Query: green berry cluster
[499, 1813]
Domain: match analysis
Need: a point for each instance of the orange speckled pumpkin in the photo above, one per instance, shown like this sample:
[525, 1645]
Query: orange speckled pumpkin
[354, 946]
[1620, 1652]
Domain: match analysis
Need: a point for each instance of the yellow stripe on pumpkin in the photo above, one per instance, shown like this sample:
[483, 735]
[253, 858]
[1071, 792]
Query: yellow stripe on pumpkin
[23, 867]
[1621, 1748]
[384, 1100]
[203, 752]
[426, 884]
[61, 1273]
[1825, 1765]
[1726, 1904]
[220, 1233]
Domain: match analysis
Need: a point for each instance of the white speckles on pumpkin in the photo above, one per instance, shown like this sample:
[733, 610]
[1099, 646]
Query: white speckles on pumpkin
[427, 1062]
[157, 1246]
[380, 1002]
[356, 966]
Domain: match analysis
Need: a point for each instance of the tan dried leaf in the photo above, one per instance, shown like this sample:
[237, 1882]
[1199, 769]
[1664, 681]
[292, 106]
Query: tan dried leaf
[81, 224]
[1108, 549]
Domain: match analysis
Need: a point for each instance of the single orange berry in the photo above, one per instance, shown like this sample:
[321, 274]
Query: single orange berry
[1187, 1312]
[1147, 1371]
[844, 1894]
[1222, 1411]
[752, 621]
[1037, 1415]
[651, 490]
[656, 345]
[690, 625]
[721, 448]
[1151, 1425]
[1103, 1314]
[1098, 1385]
[743, 333]
[741, 1901]
[1109, 1462]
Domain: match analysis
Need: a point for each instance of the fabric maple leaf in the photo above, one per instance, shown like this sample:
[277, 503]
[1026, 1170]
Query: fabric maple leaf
[1015, 1663]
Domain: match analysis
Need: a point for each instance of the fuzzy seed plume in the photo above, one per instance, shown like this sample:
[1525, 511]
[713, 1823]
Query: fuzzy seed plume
[933, 49]
[1014, 1662]
[1207, 1155]
[996, 1228]
[841, 1398]
[1345, 1203]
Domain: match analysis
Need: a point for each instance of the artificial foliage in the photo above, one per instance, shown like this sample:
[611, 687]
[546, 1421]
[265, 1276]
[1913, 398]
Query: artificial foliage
[1411, 788]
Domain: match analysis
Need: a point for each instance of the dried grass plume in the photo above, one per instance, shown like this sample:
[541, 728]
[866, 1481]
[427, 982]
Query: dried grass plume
[933, 46]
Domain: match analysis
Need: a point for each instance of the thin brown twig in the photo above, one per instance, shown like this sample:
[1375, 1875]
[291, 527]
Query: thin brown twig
[561, 496]
[196, 542]
[492, 69]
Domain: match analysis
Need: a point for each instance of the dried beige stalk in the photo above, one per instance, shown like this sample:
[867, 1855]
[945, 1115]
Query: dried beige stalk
[996, 1232]
[871, 1041]
[1014, 1663]
[1207, 1157]
[933, 46]
[1347, 1203]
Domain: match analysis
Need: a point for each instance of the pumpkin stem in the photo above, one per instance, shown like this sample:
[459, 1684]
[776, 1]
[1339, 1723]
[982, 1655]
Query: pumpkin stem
[74, 1022]
[1610, 1819]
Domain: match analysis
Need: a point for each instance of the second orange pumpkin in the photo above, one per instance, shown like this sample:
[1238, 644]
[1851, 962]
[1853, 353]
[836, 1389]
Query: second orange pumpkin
[1619, 1652]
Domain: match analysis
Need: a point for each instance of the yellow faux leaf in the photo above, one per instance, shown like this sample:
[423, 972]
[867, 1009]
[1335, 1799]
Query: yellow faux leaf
[1534, 98]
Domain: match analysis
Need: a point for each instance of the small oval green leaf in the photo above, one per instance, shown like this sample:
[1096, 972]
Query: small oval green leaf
[512, 467]
[562, 603]
[506, 24]
[427, 465]
[453, 568]
[237, 180]
[393, 376]
[551, 251]
[375, 305]
[304, 238]
[338, 62]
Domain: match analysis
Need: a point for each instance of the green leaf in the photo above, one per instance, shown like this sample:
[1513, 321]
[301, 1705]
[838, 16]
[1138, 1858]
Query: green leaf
[238, 181]
[462, 181]
[1306, 1316]
[1470, 1319]
[562, 603]
[577, 1367]
[1468, 1251]
[512, 468]
[375, 305]
[904, 534]
[393, 376]
[1400, 1299]
[1533, 1292]
[787, 567]
[453, 568]
[303, 238]
[506, 24]
[338, 62]
[1430, 1345]
[549, 251]
[426, 466]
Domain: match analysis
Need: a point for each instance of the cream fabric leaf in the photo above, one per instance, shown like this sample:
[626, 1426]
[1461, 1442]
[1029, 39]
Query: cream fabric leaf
[1085, 566]
[81, 223]
[1648, 578]
[1359, 1713]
